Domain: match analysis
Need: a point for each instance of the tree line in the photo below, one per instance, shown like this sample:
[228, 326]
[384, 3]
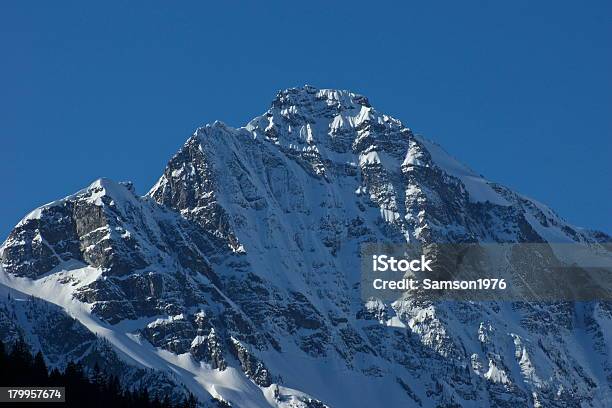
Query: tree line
[18, 367]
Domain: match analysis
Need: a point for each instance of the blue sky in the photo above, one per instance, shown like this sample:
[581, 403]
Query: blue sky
[520, 91]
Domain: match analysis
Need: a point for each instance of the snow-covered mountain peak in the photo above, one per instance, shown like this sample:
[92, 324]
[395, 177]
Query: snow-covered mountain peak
[326, 118]
[238, 273]
[339, 137]
[99, 192]
[117, 191]
[309, 96]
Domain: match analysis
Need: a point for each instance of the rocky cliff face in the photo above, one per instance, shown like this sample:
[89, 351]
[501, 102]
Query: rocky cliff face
[238, 273]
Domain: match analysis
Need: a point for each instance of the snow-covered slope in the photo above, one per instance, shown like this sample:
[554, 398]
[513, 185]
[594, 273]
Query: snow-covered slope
[238, 273]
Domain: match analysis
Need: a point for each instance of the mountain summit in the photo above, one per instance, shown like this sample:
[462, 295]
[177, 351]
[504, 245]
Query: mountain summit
[237, 278]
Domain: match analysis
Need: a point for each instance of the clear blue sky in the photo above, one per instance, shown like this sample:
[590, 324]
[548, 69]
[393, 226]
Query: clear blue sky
[521, 91]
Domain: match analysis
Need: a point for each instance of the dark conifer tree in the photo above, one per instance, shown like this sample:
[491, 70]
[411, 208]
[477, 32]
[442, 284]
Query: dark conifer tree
[20, 360]
[4, 368]
[40, 373]
[190, 402]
